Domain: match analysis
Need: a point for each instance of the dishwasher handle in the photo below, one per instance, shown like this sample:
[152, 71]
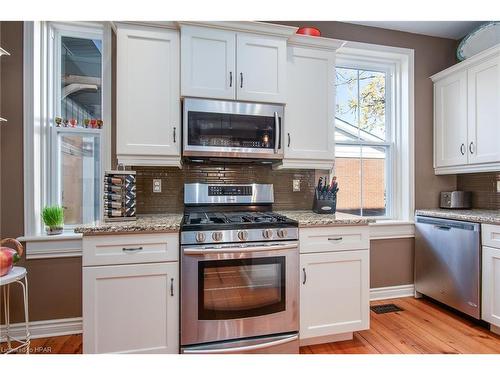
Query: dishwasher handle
[447, 224]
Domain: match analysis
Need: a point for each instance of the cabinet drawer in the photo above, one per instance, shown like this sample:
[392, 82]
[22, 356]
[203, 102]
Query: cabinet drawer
[491, 235]
[130, 248]
[321, 239]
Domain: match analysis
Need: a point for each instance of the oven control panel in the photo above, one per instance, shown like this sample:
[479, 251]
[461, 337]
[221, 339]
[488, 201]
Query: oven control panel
[216, 190]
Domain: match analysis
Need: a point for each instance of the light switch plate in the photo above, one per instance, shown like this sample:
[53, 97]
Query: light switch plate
[498, 186]
[296, 185]
[156, 185]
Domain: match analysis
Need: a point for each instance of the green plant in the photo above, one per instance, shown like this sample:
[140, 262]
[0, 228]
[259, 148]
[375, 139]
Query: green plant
[53, 216]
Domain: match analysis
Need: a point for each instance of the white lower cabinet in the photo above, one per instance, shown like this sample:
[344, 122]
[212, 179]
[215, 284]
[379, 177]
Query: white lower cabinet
[130, 308]
[334, 293]
[491, 286]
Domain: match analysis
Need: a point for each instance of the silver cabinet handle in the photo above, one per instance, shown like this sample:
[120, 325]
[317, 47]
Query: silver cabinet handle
[241, 80]
[471, 147]
[288, 139]
[335, 238]
[172, 287]
[230, 79]
[174, 133]
[277, 127]
[305, 276]
[132, 248]
[462, 149]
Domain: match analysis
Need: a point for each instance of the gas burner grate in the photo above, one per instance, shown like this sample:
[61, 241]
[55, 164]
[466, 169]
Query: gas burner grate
[383, 309]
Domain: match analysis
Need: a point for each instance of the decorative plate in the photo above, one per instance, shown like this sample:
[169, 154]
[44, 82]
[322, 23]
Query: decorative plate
[482, 38]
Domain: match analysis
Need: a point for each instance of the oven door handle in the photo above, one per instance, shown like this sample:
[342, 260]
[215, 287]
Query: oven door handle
[250, 249]
[277, 127]
[240, 349]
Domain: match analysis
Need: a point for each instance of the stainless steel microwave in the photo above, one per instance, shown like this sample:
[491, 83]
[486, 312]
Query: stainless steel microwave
[227, 129]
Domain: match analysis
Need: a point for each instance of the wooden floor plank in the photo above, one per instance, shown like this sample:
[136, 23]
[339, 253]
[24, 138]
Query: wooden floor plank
[423, 327]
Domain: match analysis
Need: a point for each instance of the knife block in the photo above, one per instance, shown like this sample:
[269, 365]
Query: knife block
[324, 206]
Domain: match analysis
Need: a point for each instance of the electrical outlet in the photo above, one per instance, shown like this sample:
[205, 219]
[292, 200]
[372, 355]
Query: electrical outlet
[296, 185]
[156, 185]
[498, 186]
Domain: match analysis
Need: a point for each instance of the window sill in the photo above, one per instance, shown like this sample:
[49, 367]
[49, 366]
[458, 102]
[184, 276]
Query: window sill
[390, 229]
[42, 246]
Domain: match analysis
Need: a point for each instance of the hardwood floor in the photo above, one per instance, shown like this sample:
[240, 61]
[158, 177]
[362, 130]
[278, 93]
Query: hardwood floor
[423, 327]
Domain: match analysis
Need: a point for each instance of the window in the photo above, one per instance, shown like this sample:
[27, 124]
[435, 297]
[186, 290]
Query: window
[363, 139]
[76, 136]
[67, 105]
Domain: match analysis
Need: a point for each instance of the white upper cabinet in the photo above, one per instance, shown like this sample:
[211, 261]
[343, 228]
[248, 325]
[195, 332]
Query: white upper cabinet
[309, 113]
[147, 96]
[221, 60]
[484, 111]
[261, 63]
[450, 121]
[467, 115]
[208, 63]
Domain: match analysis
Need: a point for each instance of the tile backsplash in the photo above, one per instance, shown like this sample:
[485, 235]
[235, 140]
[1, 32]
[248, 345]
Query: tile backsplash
[173, 179]
[483, 187]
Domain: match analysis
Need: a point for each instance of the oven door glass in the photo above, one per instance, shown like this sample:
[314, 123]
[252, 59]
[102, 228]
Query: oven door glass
[241, 288]
[231, 130]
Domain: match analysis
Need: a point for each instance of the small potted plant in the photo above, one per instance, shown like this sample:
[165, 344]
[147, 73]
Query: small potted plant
[53, 218]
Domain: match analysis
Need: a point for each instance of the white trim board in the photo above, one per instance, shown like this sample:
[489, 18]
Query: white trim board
[388, 292]
[46, 328]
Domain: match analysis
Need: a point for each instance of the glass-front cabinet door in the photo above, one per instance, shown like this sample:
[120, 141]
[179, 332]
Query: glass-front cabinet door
[241, 288]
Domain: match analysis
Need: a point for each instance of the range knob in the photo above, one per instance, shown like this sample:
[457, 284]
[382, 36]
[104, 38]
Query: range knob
[200, 237]
[243, 235]
[282, 233]
[267, 233]
[217, 236]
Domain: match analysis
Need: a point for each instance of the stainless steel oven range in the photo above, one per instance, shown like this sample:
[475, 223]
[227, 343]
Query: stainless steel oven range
[239, 272]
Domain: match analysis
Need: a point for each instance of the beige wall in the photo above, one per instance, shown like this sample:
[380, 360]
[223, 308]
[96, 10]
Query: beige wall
[55, 284]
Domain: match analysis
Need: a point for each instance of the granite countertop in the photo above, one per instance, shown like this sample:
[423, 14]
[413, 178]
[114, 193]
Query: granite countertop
[144, 223]
[307, 218]
[474, 215]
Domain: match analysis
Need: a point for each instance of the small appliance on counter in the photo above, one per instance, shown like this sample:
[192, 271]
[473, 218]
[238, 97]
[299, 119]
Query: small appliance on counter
[119, 196]
[325, 196]
[456, 199]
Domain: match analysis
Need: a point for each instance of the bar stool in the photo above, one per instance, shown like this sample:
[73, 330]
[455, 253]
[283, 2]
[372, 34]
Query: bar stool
[17, 275]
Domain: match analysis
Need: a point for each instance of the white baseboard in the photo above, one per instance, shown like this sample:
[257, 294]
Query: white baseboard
[46, 328]
[388, 292]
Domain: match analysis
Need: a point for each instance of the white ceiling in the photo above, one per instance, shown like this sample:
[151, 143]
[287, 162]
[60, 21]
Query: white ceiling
[443, 29]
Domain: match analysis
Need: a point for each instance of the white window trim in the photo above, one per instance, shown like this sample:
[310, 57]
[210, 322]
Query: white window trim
[402, 126]
[37, 112]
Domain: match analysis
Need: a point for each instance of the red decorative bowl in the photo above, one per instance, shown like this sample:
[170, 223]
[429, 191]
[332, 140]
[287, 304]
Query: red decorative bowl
[312, 31]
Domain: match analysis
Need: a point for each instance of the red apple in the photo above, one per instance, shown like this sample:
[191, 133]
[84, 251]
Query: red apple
[8, 257]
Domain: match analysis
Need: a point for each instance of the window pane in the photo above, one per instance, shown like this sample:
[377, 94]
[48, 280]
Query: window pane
[348, 171]
[81, 77]
[80, 176]
[361, 103]
[374, 190]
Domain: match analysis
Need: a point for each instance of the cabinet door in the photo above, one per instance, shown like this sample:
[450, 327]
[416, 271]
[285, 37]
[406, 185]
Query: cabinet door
[208, 63]
[491, 286]
[131, 308]
[147, 92]
[334, 293]
[261, 66]
[450, 120]
[310, 106]
[484, 112]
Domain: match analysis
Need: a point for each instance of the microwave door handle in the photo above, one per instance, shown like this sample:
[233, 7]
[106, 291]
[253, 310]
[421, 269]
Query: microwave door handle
[250, 249]
[277, 127]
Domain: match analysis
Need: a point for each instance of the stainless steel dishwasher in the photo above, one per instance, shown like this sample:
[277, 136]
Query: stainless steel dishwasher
[448, 263]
